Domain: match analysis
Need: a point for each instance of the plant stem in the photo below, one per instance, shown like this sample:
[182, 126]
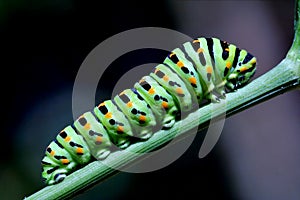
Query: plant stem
[284, 77]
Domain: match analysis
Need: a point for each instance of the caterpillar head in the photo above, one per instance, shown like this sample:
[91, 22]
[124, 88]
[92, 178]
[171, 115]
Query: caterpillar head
[243, 71]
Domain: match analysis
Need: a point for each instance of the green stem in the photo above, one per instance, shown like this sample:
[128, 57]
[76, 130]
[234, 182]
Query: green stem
[284, 77]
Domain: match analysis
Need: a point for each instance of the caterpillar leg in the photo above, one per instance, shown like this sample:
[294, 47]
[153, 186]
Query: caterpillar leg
[169, 124]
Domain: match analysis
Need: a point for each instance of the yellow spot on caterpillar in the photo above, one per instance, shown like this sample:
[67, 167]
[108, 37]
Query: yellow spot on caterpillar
[228, 64]
[129, 104]
[52, 153]
[65, 161]
[165, 104]
[87, 126]
[142, 80]
[108, 115]
[142, 118]
[253, 61]
[102, 104]
[180, 64]
[209, 69]
[151, 90]
[243, 69]
[172, 54]
[79, 150]
[196, 41]
[120, 129]
[193, 80]
[68, 138]
[166, 78]
[122, 93]
[226, 49]
[200, 50]
[179, 90]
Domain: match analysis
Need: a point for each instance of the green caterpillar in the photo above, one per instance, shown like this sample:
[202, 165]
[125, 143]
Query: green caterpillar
[205, 68]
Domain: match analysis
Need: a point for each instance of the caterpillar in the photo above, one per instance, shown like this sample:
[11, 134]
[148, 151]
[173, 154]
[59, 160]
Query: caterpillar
[203, 69]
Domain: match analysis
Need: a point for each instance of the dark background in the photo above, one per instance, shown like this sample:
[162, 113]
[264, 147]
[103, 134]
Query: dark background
[43, 44]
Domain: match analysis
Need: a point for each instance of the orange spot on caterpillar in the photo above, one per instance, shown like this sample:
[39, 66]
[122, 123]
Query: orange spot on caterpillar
[200, 50]
[166, 78]
[68, 138]
[142, 118]
[87, 126]
[180, 64]
[120, 129]
[151, 90]
[209, 69]
[65, 161]
[79, 150]
[193, 80]
[179, 90]
[108, 115]
[228, 64]
[253, 61]
[243, 69]
[196, 41]
[165, 104]
[98, 139]
[52, 153]
[129, 104]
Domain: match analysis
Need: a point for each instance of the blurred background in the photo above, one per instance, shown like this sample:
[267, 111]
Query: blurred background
[43, 44]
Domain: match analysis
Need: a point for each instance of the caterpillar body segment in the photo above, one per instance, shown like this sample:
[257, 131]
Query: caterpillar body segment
[94, 134]
[160, 101]
[138, 111]
[115, 122]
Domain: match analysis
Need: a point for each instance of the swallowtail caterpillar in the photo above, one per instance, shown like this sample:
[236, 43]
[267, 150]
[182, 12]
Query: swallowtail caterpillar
[205, 68]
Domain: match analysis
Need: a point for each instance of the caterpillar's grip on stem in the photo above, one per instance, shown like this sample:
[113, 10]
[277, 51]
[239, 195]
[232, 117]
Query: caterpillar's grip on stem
[201, 69]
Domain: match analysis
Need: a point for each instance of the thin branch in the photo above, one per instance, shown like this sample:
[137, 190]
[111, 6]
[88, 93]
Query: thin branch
[284, 77]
